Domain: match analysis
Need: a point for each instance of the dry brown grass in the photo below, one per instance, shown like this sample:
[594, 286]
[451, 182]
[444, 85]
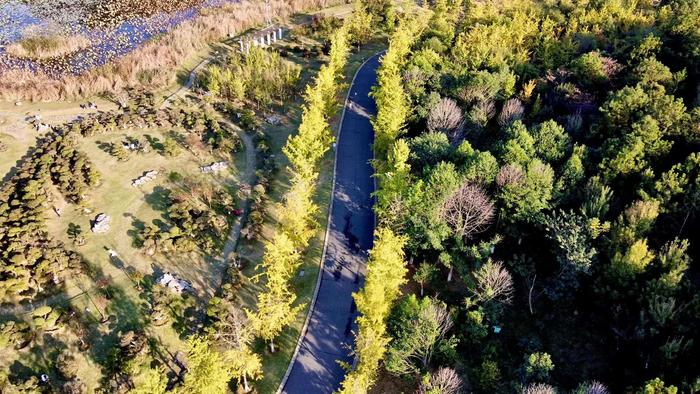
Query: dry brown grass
[43, 46]
[155, 64]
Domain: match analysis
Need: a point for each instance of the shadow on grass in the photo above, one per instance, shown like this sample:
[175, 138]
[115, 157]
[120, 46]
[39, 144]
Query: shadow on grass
[104, 146]
[122, 314]
[20, 370]
[178, 137]
[159, 199]
[187, 317]
[138, 226]
[155, 143]
[40, 359]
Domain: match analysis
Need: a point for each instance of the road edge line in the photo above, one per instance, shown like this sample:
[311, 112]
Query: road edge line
[305, 327]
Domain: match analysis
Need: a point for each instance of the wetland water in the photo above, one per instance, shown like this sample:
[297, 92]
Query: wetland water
[112, 28]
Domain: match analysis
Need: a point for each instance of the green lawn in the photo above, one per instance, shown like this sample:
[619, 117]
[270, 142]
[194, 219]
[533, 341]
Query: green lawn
[133, 207]
[19, 135]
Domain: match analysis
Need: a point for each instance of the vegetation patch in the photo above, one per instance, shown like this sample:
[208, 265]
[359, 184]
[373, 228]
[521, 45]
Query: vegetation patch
[45, 45]
[541, 165]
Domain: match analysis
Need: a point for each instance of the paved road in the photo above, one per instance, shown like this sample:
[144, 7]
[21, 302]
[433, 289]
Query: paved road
[329, 334]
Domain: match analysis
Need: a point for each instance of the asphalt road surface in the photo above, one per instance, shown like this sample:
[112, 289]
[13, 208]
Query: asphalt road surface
[329, 335]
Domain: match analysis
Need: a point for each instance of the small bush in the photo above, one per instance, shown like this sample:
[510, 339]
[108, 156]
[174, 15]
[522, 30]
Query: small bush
[175, 177]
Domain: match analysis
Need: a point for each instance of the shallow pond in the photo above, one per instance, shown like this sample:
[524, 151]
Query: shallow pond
[107, 28]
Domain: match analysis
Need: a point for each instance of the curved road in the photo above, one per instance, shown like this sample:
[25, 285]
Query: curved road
[329, 334]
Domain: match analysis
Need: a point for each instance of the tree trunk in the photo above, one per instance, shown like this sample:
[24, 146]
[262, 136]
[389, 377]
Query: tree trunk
[449, 275]
[245, 384]
[529, 298]
[421, 289]
[272, 345]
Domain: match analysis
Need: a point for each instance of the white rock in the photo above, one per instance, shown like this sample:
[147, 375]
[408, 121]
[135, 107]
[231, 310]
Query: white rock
[101, 224]
[214, 167]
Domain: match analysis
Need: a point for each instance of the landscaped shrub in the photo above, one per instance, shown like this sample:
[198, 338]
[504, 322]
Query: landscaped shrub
[30, 261]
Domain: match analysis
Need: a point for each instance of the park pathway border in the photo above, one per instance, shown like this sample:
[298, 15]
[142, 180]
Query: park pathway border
[305, 327]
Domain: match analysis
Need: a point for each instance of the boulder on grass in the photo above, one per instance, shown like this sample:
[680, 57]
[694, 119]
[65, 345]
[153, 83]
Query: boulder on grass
[101, 224]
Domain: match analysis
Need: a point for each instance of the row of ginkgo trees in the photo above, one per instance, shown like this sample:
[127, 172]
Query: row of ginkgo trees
[276, 304]
[209, 371]
[386, 269]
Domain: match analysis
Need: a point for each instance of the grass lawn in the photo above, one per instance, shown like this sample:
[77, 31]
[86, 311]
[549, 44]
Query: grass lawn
[130, 208]
[275, 365]
[19, 135]
[16, 148]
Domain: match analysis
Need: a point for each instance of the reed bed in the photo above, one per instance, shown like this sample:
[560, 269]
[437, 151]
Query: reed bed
[154, 65]
[43, 46]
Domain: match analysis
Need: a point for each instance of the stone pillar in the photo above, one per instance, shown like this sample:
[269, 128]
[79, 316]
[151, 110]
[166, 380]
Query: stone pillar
[241, 42]
[279, 33]
[274, 36]
[262, 41]
[268, 38]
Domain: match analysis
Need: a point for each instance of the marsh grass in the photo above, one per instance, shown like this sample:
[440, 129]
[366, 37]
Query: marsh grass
[155, 64]
[44, 46]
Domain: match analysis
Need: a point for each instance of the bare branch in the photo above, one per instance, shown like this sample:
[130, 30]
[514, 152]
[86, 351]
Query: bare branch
[538, 388]
[234, 331]
[510, 174]
[447, 117]
[512, 110]
[593, 387]
[467, 211]
[444, 381]
[493, 282]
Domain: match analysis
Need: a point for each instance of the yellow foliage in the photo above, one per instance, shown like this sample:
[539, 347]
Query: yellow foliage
[392, 102]
[298, 212]
[304, 151]
[635, 260]
[275, 312]
[386, 271]
[528, 88]
[245, 364]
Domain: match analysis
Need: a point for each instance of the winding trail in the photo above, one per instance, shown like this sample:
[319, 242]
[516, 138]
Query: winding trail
[326, 337]
[191, 78]
[248, 179]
